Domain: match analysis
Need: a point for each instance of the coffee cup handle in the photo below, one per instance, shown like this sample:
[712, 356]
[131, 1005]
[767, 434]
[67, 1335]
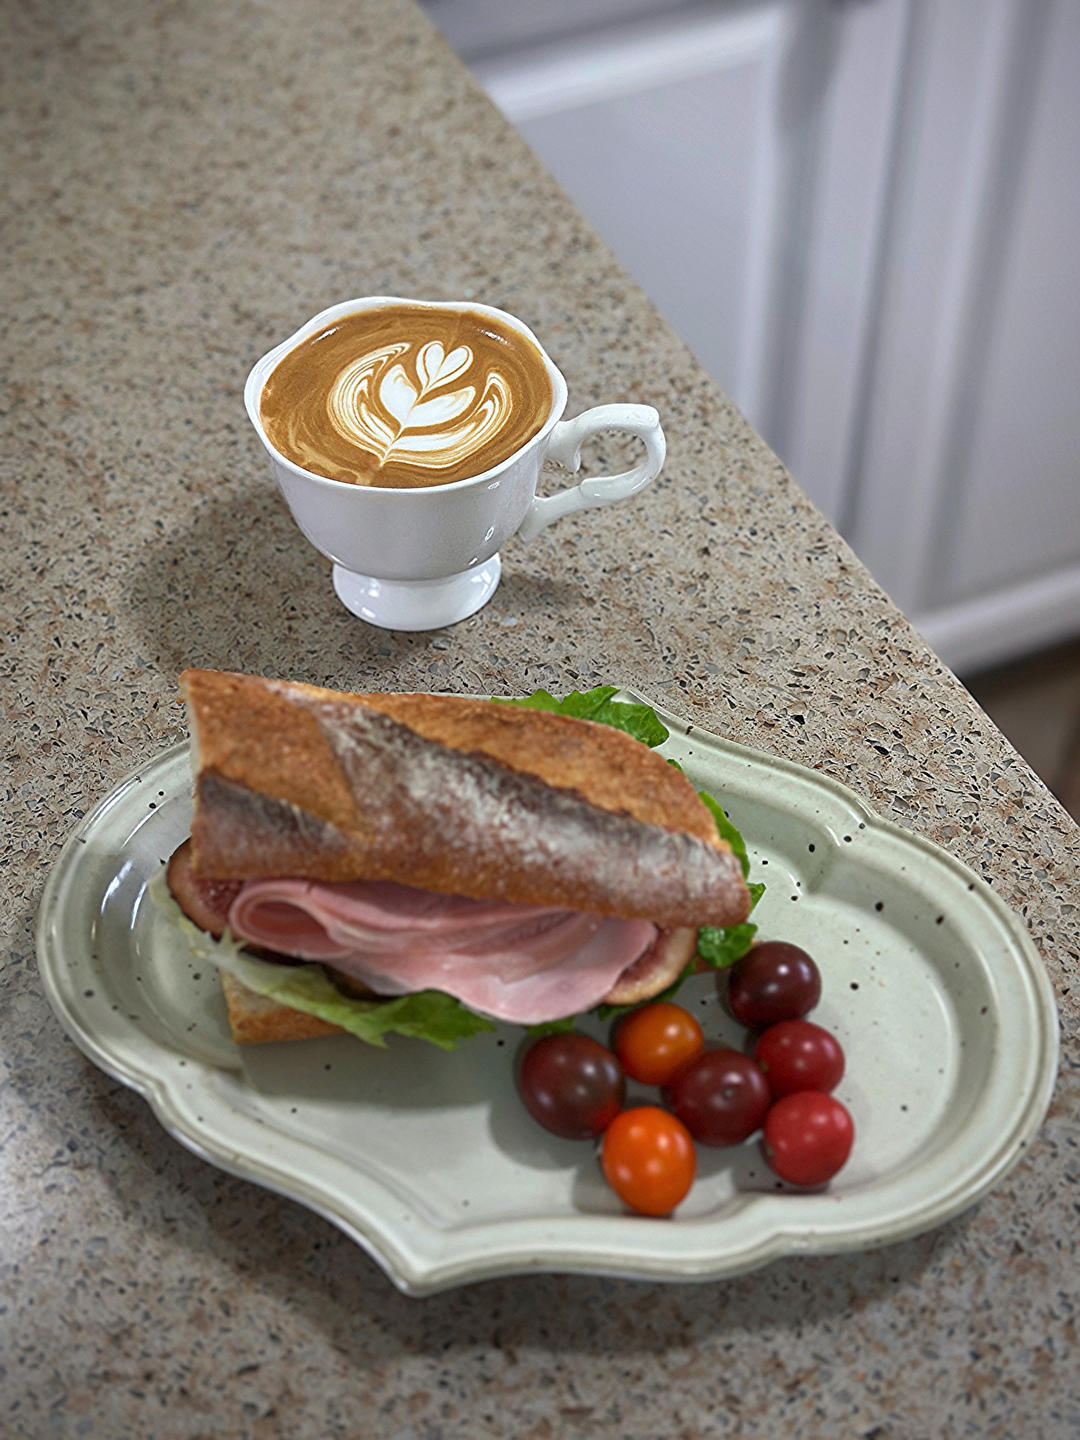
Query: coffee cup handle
[564, 447]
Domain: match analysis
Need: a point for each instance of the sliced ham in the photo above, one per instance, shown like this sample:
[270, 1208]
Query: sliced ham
[206, 902]
[659, 967]
[522, 963]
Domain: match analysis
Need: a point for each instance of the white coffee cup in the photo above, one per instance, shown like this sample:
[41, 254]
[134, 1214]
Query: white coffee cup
[418, 559]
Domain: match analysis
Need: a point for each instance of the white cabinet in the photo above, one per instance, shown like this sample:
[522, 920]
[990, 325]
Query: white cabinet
[861, 217]
[968, 497]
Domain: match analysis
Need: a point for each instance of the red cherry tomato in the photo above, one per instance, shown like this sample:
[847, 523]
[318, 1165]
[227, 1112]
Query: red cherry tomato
[798, 1055]
[654, 1043]
[808, 1137]
[571, 1085]
[773, 981]
[648, 1159]
[721, 1097]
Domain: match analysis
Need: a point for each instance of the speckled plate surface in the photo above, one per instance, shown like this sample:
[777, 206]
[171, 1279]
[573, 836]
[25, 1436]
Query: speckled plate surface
[428, 1159]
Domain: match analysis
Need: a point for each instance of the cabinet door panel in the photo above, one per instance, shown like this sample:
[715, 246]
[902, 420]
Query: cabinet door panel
[823, 335]
[666, 138]
[694, 242]
[736, 160]
[1017, 510]
[483, 28]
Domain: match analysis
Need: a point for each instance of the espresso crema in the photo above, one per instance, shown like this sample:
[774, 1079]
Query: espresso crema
[405, 396]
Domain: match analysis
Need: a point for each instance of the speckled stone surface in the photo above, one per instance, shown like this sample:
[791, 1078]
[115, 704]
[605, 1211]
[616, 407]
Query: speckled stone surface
[184, 185]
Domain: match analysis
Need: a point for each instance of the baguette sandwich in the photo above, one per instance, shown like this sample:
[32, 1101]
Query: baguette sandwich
[430, 864]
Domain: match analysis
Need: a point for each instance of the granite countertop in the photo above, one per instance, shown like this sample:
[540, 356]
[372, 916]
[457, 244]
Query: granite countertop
[185, 185]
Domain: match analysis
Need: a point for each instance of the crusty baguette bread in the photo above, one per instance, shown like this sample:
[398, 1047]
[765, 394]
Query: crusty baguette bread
[449, 794]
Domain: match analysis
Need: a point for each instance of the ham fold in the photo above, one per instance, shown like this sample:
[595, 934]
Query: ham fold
[522, 963]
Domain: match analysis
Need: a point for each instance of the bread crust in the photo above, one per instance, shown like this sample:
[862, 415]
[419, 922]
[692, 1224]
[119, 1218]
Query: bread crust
[256, 1020]
[450, 794]
[607, 768]
[279, 748]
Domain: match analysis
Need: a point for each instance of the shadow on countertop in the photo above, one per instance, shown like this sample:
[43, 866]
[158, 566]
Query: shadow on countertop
[241, 589]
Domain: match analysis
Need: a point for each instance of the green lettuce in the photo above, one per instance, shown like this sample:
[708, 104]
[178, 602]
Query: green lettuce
[637, 720]
[721, 948]
[727, 830]
[425, 1015]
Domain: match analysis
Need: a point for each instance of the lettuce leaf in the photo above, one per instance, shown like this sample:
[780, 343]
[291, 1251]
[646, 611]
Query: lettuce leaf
[727, 830]
[720, 948]
[425, 1015]
[637, 720]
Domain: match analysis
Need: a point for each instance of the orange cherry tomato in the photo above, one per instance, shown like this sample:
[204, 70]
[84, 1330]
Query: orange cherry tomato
[654, 1043]
[648, 1159]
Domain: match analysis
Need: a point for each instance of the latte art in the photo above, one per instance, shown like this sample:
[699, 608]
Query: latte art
[401, 406]
[406, 396]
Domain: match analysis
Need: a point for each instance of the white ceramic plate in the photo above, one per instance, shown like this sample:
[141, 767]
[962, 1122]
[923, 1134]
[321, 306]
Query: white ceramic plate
[428, 1159]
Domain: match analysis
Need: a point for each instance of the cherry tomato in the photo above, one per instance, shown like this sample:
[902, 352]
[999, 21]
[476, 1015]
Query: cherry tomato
[808, 1137]
[721, 1097]
[798, 1055]
[648, 1159]
[773, 981]
[571, 1085]
[655, 1042]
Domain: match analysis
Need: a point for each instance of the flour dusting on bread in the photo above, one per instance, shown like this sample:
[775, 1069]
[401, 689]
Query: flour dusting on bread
[453, 795]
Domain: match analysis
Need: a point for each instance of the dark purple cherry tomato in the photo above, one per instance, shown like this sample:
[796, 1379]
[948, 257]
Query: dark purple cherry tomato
[799, 1055]
[808, 1137]
[721, 1097]
[571, 1085]
[773, 981]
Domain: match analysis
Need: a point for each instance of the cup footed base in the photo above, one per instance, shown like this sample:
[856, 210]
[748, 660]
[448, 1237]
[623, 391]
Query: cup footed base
[418, 604]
